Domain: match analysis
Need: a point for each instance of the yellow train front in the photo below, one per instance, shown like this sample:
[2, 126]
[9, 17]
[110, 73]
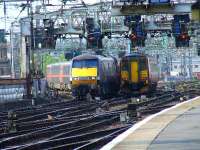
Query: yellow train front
[94, 74]
[139, 73]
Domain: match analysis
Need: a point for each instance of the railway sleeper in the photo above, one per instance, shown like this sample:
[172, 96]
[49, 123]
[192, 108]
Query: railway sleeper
[98, 143]
[72, 140]
[41, 134]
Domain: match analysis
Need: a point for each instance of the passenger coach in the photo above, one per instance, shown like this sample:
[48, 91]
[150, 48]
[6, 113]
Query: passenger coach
[58, 76]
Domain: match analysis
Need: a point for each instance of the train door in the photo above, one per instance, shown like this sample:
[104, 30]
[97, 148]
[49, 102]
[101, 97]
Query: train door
[143, 71]
[134, 71]
[124, 70]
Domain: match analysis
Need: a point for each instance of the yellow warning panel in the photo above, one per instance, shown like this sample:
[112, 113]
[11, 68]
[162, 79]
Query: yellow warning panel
[134, 71]
[84, 72]
[144, 74]
[124, 75]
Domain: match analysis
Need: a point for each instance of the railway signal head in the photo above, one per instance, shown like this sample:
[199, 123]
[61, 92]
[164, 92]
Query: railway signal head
[133, 37]
[180, 30]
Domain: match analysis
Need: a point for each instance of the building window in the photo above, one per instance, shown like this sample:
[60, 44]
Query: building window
[175, 66]
[196, 66]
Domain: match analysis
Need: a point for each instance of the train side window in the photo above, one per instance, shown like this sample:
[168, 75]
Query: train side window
[113, 68]
[109, 69]
[48, 70]
[53, 69]
[103, 67]
[104, 70]
[66, 69]
[56, 70]
[124, 65]
[143, 64]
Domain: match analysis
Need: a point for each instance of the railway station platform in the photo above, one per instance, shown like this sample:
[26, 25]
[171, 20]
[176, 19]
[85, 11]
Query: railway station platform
[175, 128]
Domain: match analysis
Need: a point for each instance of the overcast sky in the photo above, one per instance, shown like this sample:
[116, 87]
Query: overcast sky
[13, 10]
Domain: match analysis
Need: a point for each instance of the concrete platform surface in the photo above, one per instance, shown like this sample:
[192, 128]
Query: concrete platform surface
[182, 134]
[176, 128]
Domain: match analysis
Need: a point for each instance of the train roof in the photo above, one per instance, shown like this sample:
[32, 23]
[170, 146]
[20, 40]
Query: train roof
[60, 63]
[135, 55]
[150, 58]
[90, 56]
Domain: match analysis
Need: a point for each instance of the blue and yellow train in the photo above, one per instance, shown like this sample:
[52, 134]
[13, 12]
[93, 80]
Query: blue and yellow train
[94, 74]
[139, 73]
[102, 76]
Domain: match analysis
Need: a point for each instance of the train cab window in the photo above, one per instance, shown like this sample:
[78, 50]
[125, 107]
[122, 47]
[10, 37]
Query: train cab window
[90, 63]
[124, 65]
[77, 64]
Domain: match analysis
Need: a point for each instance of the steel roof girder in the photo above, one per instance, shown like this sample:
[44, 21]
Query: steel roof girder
[151, 9]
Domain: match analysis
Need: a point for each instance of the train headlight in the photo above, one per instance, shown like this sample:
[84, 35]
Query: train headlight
[75, 78]
[70, 78]
[93, 78]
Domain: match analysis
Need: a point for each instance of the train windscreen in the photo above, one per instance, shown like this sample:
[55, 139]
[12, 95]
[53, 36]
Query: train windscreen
[88, 63]
[124, 65]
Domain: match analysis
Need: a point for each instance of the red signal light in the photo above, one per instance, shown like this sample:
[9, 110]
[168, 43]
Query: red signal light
[133, 37]
[184, 36]
[91, 38]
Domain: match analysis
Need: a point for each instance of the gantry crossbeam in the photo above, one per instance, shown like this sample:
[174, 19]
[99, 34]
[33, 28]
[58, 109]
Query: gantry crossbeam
[151, 9]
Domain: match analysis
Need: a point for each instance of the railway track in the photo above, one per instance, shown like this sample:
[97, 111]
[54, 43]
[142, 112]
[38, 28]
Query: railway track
[79, 124]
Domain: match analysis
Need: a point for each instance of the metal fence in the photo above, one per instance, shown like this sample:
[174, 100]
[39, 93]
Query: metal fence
[12, 90]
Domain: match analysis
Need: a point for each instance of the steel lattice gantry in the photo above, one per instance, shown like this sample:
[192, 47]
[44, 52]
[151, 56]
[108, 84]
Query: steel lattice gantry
[111, 16]
[70, 21]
